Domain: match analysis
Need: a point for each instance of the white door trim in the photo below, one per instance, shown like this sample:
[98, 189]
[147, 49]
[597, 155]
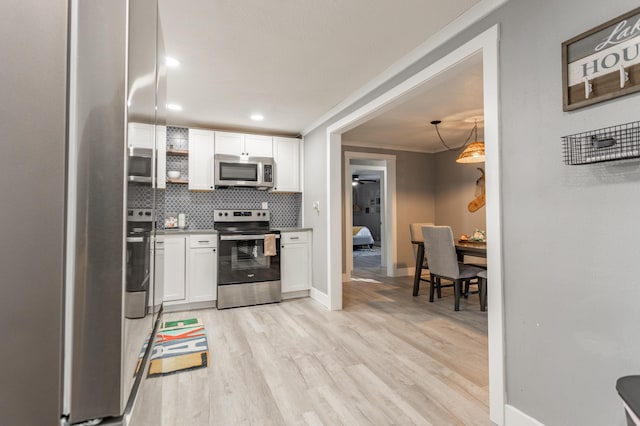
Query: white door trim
[487, 43]
[390, 239]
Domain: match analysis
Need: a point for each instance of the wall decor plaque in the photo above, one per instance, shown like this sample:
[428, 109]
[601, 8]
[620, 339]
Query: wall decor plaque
[602, 63]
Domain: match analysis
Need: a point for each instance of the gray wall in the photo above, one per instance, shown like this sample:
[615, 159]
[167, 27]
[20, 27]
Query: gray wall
[569, 233]
[455, 187]
[315, 189]
[569, 334]
[32, 170]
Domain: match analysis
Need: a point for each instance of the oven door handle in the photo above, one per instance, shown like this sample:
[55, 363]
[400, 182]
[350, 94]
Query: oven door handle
[135, 239]
[244, 237]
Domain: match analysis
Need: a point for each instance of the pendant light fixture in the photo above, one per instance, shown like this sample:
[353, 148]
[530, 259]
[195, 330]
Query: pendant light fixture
[472, 153]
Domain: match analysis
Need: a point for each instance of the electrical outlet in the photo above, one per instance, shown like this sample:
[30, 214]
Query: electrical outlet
[265, 205]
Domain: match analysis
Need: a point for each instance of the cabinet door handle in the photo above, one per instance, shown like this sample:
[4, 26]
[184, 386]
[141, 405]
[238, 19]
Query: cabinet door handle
[294, 238]
[214, 250]
[203, 241]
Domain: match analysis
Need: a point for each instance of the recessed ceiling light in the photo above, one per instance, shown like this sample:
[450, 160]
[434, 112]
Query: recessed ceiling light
[257, 117]
[171, 62]
[174, 107]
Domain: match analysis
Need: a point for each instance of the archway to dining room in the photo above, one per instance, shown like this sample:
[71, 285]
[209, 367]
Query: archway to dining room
[486, 44]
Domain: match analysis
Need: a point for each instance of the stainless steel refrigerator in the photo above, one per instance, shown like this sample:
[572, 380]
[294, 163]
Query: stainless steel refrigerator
[114, 81]
[75, 73]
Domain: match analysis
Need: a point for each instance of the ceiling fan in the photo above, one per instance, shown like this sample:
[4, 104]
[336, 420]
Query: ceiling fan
[355, 180]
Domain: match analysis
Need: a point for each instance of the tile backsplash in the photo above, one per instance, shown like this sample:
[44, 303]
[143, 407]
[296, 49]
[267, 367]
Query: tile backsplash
[198, 205]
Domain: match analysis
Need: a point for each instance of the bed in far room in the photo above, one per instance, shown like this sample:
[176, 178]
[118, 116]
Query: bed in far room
[362, 236]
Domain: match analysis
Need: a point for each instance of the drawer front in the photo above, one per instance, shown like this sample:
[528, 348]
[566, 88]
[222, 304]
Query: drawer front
[159, 242]
[294, 237]
[208, 240]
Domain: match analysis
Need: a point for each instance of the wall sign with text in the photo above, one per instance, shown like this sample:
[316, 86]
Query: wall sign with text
[602, 63]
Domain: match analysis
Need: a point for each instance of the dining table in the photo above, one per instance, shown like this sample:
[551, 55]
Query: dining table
[463, 248]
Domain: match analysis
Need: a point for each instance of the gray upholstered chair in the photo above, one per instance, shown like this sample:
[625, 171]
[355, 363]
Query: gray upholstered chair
[443, 261]
[482, 288]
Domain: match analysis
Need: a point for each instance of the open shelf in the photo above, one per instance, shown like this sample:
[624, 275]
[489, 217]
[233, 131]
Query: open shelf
[180, 152]
[179, 181]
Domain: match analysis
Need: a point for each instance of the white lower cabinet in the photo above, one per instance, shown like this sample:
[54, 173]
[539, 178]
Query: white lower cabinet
[295, 261]
[190, 269]
[175, 268]
[203, 268]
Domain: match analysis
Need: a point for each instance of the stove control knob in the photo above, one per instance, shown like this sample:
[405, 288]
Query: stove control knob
[219, 214]
[140, 213]
[226, 214]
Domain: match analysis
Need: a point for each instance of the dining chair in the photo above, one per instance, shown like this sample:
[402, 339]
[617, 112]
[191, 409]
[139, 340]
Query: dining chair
[415, 229]
[443, 262]
[482, 288]
[416, 235]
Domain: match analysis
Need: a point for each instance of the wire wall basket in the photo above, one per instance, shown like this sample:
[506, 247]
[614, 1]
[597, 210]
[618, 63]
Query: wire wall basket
[607, 144]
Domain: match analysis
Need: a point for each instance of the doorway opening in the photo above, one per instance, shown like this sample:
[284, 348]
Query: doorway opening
[367, 212]
[369, 208]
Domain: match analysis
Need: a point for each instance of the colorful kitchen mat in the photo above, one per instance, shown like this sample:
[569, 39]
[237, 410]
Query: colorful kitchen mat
[179, 346]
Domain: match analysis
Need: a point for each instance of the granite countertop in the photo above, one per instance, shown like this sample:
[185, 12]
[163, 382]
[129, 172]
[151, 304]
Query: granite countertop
[185, 231]
[188, 231]
[292, 229]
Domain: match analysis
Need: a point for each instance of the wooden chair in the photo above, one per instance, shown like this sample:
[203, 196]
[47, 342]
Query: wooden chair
[415, 229]
[482, 288]
[443, 262]
[416, 235]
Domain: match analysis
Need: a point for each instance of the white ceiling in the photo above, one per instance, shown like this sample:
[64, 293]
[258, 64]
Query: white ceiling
[454, 97]
[290, 60]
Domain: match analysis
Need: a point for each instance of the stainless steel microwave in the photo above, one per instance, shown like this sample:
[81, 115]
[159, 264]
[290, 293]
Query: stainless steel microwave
[140, 165]
[253, 172]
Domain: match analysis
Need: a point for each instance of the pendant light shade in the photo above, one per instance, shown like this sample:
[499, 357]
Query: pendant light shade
[472, 153]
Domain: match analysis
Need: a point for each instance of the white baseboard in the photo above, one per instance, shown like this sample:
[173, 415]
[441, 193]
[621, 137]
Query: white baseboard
[319, 297]
[295, 294]
[403, 272]
[180, 306]
[515, 417]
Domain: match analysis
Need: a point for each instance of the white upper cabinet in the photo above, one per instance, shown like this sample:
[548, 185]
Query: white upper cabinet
[258, 146]
[228, 143]
[286, 154]
[201, 151]
[140, 135]
[161, 168]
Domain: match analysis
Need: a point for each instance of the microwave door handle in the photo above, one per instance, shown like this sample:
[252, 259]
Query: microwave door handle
[243, 237]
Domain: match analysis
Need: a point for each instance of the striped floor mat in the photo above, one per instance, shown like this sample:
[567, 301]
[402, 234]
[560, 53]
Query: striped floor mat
[179, 346]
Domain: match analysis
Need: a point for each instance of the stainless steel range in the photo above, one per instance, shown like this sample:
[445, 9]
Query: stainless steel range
[248, 258]
[139, 226]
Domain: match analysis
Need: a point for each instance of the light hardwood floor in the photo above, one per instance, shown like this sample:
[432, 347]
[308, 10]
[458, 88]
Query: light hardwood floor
[387, 359]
